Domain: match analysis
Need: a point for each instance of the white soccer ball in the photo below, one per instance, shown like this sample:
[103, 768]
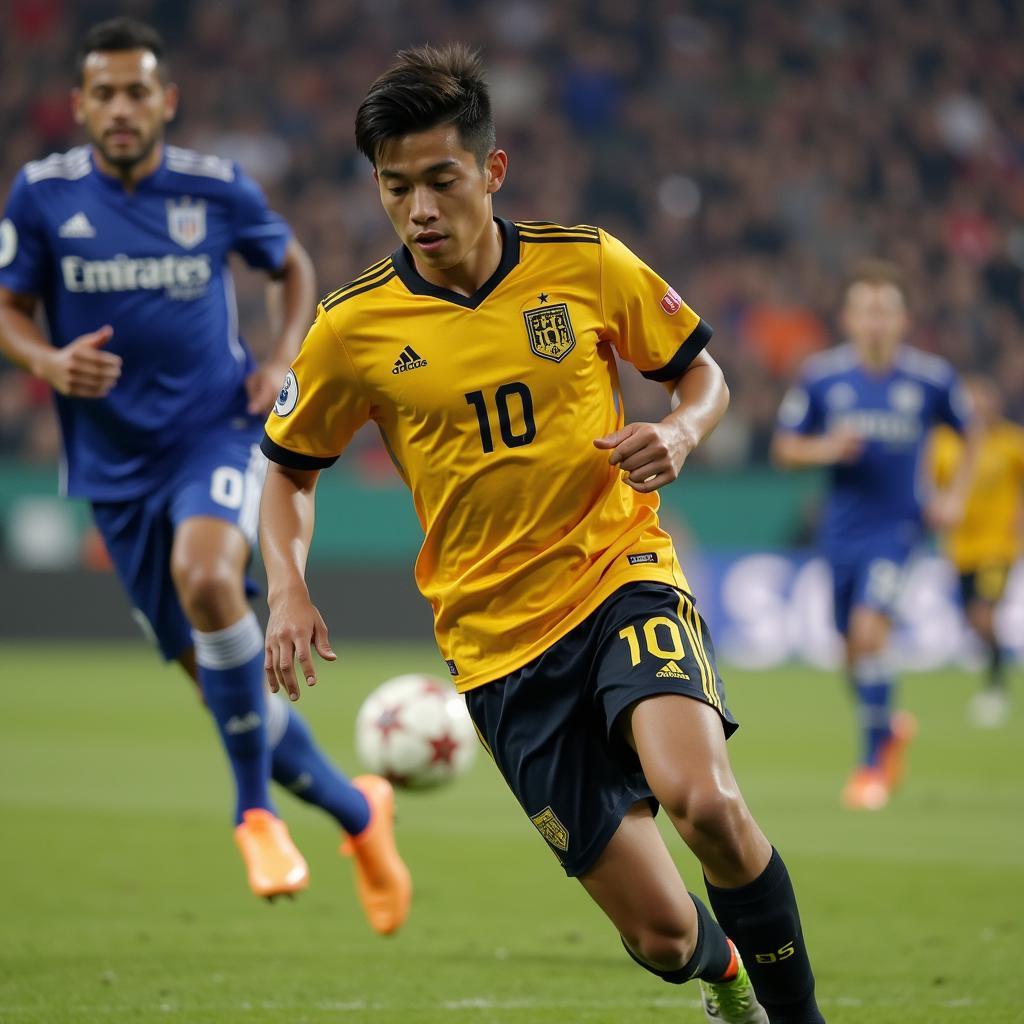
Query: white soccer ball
[415, 731]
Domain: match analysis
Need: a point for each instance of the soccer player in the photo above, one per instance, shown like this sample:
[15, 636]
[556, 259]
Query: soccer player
[484, 351]
[864, 410]
[984, 545]
[126, 242]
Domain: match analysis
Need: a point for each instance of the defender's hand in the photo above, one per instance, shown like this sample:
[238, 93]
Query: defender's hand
[651, 454]
[81, 369]
[295, 629]
[263, 386]
[944, 511]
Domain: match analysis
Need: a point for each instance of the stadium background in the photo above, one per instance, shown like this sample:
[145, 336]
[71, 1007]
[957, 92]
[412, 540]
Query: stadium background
[748, 151]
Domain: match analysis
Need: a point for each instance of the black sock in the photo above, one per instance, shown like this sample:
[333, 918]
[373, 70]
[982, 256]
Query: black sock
[996, 675]
[762, 919]
[711, 954]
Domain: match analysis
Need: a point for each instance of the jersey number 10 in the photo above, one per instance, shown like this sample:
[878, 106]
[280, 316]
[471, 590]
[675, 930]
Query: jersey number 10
[501, 402]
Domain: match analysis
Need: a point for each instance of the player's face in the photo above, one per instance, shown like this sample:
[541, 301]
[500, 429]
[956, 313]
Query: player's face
[875, 319]
[123, 105]
[437, 196]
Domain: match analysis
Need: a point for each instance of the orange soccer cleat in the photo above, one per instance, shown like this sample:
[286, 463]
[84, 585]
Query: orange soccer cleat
[383, 881]
[274, 865]
[866, 790]
[903, 726]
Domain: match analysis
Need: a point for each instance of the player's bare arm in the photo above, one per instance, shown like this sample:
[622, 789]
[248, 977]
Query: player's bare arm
[293, 292]
[946, 505]
[653, 454]
[797, 451]
[295, 627]
[81, 369]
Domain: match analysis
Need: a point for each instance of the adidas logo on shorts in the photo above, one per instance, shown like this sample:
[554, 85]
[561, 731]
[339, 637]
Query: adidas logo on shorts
[670, 670]
[408, 360]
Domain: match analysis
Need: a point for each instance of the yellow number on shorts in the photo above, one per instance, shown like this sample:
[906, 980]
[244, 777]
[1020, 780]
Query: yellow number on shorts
[651, 640]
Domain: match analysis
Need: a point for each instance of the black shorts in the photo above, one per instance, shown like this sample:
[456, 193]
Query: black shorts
[551, 726]
[987, 583]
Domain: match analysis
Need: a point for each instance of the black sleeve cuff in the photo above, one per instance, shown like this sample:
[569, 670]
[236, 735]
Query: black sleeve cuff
[293, 460]
[688, 351]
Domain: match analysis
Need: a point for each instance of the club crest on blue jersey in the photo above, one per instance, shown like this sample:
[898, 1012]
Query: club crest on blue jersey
[550, 331]
[186, 222]
[287, 396]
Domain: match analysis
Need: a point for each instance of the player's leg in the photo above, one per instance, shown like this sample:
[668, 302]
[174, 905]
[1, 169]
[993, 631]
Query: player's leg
[681, 746]
[990, 707]
[884, 732]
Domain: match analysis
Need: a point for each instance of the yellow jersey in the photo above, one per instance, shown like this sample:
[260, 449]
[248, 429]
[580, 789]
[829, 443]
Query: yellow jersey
[990, 532]
[489, 406]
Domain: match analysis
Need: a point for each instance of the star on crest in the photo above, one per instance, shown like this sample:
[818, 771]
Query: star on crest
[543, 297]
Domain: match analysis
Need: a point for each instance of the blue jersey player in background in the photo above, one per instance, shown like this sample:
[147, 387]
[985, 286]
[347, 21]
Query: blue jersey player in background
[125, 242]
[865, 410]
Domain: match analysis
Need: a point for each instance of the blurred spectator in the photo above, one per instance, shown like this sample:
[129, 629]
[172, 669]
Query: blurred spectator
[749, 152]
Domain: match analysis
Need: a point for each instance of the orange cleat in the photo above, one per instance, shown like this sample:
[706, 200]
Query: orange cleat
[275, 866]
[383, 881]
[892, 758]
[866, 790]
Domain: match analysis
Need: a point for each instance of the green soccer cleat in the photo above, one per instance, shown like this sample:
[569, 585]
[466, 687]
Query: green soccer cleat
[732, 1002]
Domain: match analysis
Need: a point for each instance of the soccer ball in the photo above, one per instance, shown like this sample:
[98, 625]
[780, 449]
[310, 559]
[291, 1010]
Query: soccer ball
[416, 732]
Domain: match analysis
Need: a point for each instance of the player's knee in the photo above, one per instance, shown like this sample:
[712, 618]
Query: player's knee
[709, 809]
[208, 592]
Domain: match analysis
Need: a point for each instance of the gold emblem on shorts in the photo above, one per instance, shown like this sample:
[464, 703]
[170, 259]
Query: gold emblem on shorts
[551, 829]
[550, 331]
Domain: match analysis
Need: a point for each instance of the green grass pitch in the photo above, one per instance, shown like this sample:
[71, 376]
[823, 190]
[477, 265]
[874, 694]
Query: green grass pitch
[122, 896]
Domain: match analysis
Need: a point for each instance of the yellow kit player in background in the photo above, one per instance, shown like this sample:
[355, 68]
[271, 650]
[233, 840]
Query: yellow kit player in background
[988, 540]
[484, 351]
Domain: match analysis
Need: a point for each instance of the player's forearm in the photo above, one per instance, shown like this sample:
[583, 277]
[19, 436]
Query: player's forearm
[287, 515]
[699, 400]
[797, 451]
[21, 341]
[297, 283]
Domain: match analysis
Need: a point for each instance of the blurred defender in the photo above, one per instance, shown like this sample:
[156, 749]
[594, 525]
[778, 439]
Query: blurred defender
[483, 350]
[986, 543]
[864, 410]
[126, 242]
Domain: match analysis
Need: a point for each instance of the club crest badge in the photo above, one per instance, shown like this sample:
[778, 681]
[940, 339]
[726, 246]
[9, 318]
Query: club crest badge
[186, 222]
[551, 829]
[287, 396]
[550, 331]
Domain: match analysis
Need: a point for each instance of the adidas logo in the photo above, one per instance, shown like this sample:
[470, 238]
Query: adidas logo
[408, 360]
[670, 670]
[77, 226]
[236, 726]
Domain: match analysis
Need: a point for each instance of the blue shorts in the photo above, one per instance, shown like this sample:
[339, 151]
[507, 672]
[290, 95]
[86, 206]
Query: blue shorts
[552, 726]
[219, 474]
[868, 576]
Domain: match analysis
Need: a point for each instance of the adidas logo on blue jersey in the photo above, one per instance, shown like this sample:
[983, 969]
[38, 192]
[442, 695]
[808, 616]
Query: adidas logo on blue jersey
[77, 226]
[408, 360]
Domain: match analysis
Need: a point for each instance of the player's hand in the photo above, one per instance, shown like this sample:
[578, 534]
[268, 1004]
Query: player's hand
[840, 445]
[650, 454]
[944, 511]
[263, 386]
[294, 631]
[81, 369]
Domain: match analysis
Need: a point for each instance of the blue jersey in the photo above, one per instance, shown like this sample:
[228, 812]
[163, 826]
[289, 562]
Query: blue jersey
[876, 497]
[152, 263]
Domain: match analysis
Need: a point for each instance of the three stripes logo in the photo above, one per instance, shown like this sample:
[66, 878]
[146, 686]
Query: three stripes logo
[670, 670]
[408, 360]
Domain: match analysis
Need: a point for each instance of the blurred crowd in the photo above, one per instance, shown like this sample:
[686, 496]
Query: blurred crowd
[749, 152]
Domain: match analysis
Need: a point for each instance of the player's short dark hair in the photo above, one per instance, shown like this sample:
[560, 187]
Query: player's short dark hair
[427, 87]
[877, 272]
[117, 34]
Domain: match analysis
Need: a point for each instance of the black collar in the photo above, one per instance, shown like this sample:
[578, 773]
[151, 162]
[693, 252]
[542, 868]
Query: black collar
[410, 276]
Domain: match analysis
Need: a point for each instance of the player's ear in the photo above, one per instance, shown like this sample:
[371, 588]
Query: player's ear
[76, 105]
[495, 167]
[170, 101]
